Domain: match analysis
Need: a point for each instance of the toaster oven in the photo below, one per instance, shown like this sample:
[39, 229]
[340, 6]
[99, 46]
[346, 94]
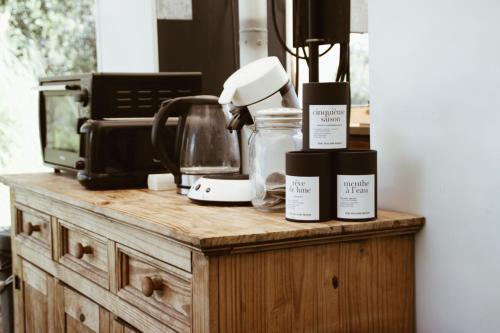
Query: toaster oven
[67, 102]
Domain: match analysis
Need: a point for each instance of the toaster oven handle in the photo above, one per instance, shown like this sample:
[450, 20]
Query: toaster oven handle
[58, 87]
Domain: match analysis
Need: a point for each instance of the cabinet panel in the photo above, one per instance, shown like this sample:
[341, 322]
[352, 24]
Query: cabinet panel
[35, 310]
[359, 286]
[280, 291]
[376, 285]
[36, 299]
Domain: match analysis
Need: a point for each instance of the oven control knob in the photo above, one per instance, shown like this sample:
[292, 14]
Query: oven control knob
[82, 97]
[80, 165]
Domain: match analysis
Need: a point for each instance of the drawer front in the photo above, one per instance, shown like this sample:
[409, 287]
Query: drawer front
[81, 314]
[162, 290]
[34, 229]
[84, 252]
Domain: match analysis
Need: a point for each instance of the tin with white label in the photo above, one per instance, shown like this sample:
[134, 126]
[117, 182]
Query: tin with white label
[326, 115]
[308, 186]
[356, 185]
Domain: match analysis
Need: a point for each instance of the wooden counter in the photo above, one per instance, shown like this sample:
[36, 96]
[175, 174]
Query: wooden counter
[156, 262]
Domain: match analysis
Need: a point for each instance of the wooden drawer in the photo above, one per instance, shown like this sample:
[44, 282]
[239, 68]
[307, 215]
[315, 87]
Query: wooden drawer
[34, 229]
[81, 315]
[84, 252]
[162, 289]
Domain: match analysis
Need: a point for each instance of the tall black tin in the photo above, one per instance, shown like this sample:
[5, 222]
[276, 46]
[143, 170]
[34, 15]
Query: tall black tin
[327, 110]
[309, 192]
[355, 185]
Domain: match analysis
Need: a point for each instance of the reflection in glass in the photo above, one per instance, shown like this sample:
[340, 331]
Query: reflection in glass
[61, 117]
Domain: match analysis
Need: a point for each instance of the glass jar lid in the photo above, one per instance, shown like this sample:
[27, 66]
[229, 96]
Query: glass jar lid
[281, 115]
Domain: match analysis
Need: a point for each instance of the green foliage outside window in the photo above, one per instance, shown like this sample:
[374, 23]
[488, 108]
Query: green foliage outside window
[63, 32]
[38, 38]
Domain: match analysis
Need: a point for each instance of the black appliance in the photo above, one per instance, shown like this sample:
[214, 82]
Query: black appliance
[67, 102]
[119, 153]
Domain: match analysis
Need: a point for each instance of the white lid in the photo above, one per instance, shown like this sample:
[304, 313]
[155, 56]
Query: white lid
[253, 82]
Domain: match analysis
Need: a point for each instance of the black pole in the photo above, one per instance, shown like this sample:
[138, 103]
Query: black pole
[313, 61]
[313, 42]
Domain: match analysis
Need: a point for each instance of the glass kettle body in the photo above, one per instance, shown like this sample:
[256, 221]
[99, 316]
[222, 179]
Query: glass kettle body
[203, 145]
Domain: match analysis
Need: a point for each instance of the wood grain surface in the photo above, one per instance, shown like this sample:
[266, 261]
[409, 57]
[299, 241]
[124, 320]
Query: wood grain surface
[205, 293]
[204, 227]
[36, 299]
[363, 286]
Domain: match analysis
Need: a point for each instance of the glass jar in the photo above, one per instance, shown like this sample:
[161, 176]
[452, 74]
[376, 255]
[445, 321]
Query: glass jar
[276, 132]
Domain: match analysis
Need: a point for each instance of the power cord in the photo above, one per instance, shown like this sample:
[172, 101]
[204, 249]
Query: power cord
[343, 70]
[282, 42]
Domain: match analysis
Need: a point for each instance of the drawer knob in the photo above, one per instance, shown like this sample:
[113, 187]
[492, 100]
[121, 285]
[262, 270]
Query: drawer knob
[31, 228]
[149, 285]
[82, 317]
[81, 250]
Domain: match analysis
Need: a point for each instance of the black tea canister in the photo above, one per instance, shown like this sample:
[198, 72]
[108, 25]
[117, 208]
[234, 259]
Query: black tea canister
[326, 116]
[308, 186]
[356, 185]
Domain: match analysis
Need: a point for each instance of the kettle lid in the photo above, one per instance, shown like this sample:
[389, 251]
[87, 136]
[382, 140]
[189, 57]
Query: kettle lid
[253, 82]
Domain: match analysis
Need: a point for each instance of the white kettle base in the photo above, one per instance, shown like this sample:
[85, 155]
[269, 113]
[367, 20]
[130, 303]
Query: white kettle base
[232, 189]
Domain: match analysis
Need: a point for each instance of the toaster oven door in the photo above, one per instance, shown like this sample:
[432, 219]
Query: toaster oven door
[60, 115]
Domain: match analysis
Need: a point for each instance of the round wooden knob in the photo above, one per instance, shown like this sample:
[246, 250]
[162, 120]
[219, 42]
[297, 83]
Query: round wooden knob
[149, 285]
[82, 317]
[31, 228]
[81, 250]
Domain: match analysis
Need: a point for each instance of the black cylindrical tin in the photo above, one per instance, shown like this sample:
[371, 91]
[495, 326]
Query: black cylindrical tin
[308, 186]
[355, 184]
[327, 109]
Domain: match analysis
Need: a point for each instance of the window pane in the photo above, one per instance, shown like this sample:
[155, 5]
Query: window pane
[37, 38]
[358, 64]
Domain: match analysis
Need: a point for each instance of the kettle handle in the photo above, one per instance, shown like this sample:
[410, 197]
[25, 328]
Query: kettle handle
[159, 132]
[159, 135]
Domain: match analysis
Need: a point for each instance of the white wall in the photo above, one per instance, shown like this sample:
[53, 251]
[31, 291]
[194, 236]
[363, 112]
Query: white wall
[126, 36]
[435, 82]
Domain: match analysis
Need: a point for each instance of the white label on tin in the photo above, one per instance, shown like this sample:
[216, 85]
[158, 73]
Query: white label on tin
[174, 10]
[356, 196]
[302, 198]
[328, 126]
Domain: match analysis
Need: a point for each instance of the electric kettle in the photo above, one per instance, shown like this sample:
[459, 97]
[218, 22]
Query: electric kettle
[203, 146]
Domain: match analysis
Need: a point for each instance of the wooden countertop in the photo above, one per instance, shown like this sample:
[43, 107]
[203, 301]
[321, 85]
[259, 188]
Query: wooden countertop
[204, 227]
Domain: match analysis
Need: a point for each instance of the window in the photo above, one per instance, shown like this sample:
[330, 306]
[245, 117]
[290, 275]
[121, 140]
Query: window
[359, 66]
[37, 38]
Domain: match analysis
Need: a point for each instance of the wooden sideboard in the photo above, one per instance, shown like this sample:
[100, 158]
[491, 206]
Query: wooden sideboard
[144, 261]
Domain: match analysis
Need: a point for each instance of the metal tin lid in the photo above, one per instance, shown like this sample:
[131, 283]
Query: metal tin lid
[355, 162]
[254, 82]
[308, 163]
